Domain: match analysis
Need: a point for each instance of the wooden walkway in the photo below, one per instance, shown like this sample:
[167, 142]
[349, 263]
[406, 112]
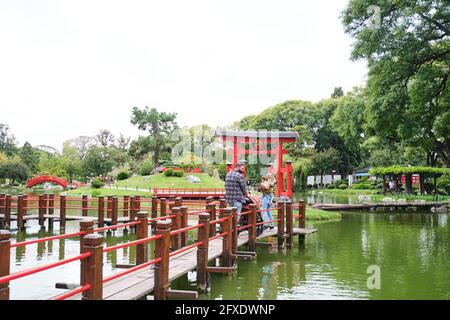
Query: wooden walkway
[140, 283]
[373, 206]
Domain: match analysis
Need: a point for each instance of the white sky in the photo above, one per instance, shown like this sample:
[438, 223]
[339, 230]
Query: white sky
[70, 68]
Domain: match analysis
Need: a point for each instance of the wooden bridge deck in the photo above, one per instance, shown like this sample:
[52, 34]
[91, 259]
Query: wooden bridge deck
[372, 206]
[140, 283]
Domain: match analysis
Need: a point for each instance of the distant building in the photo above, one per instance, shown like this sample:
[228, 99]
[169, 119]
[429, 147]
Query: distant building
[359, 174]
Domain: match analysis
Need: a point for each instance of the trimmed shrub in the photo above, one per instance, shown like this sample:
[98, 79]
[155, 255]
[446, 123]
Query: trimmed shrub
[169, 173]
[361, 185]
[97, 183]
[331, 186]
[146, 168]
[343, 186]
[123, 175]
[178, 173]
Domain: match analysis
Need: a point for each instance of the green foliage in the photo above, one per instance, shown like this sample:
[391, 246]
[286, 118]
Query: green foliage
[29, 157]
[178, 173]
[146, 168]
[7, 141]
[444, 182]
[398, 170]
[409, 61]
[98, 161]
[122, 175]
[159, 126]
[361, 185]
[96, 193]
[343, 186]
[97, 183]
[169, 173]
[14, 169]
[325, 161]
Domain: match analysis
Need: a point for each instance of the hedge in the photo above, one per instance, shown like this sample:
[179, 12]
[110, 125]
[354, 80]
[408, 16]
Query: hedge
[395, 170]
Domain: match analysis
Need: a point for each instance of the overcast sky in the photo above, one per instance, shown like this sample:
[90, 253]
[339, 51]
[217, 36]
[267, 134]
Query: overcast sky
[70, 68]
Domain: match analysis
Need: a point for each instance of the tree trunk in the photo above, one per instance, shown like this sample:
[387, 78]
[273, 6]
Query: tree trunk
[408, 183]
[383, 188]
[421, 184]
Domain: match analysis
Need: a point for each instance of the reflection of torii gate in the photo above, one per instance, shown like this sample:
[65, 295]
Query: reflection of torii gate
[241, 138]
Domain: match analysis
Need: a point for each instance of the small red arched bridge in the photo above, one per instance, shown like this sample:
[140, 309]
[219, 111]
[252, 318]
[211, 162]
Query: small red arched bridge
[220, 232]
[43, 179]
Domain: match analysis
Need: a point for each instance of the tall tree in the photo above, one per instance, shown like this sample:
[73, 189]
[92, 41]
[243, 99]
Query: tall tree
[105, 138]
[98, 161]
[7, 141]
[123, 143]
[29, 157]
[159, 126]
[337, 92]
[407, 46]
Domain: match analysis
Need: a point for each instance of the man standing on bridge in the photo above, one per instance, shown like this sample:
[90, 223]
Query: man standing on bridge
[235, 187]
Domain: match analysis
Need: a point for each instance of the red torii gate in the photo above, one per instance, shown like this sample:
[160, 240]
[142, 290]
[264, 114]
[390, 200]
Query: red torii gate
[239, 138]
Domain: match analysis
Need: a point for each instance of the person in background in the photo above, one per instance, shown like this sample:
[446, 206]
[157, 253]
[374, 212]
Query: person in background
[235, 187]
[266, 188]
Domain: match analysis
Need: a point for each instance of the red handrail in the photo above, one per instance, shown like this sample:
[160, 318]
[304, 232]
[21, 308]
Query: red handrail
[72, 293]
[24, 273]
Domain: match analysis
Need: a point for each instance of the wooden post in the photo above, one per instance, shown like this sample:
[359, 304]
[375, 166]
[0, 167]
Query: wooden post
[178, 202]
[88, 228]
[109, 207]
[8, 209]
[209, 200]
[184, 224]
[115, 211]
[133, 211]
[211, 208]
[20, 211]
[51, 204]
[126, 201]
[142, 233]
[176, 222]
[302, 218]
[92, 267]
[227, 260]
[154, 207]
[163, 205]
[252, 218]
[5, 256]
[45, 203]
[138, 203]
[281, 233]
[222, 203]
[162, 251]
[84, 205]
[101, 211]
[62, 212]
[2, 203]
[289, 224]
[41, 210]
[202, 253]
[234, 239]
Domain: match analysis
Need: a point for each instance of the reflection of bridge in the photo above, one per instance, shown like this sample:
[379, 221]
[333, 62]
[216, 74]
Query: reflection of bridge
[43, 179]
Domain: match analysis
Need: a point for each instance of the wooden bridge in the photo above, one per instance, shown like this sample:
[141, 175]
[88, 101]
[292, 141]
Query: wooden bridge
[374, 205]
[221, 231]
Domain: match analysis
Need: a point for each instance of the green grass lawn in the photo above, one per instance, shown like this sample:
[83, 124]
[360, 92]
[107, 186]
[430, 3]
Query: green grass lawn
[108, 192]
[348, 191]
[317, 214]
[161, 181]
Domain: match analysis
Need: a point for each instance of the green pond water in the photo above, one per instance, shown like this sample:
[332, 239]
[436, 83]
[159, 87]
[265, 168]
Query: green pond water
[411, 249]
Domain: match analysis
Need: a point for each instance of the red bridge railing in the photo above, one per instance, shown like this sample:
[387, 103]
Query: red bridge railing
[171, 239]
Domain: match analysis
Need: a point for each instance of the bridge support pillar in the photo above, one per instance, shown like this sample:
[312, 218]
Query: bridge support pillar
[202, 254]
[5, 254]
[92, 267]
